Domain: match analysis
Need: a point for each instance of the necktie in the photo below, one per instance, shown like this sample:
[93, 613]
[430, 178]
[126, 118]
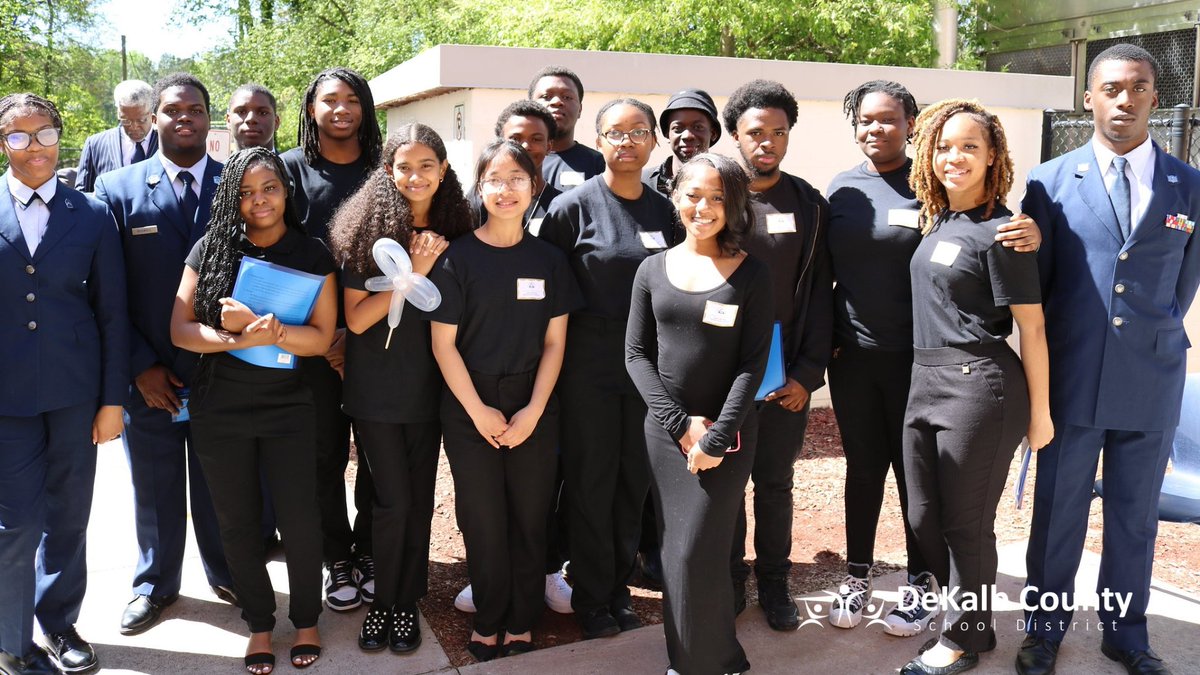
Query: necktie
[138, 153]
[35, 197]
[189, 203]
[1120, 197]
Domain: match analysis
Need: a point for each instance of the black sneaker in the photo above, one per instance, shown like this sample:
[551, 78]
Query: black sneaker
[341, 594]
[598, 623]
[374, 633]
[405, 635]
[910, 616]
[364, 576]
[776, 601]
[853, 594]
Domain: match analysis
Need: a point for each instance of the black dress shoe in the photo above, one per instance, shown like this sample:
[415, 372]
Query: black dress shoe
[226, 594]
[598, 623]
[143, 612]
[1037, 656]
[1136, 661]
[405, 633]
[481, 652]
[374, 633]
[776, 601]
[918, 667]
[516, 648]
[72, 653]
[35, 662]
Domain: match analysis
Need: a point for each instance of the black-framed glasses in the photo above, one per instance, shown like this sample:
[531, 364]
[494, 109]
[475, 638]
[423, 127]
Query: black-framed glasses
[617, 137]
[496, 185]
[19, 140]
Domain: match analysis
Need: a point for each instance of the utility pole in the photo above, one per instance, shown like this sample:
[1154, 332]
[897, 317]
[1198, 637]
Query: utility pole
[124, 61]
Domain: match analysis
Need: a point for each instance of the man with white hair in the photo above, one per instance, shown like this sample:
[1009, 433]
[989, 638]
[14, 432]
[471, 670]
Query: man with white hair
[130, 142]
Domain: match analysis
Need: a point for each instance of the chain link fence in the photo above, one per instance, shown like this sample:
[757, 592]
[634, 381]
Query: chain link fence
[1174, 130]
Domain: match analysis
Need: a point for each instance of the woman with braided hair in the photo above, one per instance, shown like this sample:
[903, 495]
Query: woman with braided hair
[972, 399]
[392, 388]
[248, 418]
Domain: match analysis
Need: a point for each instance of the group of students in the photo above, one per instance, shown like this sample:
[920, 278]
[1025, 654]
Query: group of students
[603, 332]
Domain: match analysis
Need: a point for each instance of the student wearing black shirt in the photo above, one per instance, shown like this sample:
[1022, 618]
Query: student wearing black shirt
[972, 398]
[873, 231]
[788, 234]
[249, 419]
[606, 226]
[532, 127]
[339, 144]
[498, 337]
[696, 347]
[571, 163]
[252, 117]
[690, 123]
[391, 387]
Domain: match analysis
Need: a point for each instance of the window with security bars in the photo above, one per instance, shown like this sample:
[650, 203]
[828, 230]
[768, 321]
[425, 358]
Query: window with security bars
[1052, 60]
[1176, 54]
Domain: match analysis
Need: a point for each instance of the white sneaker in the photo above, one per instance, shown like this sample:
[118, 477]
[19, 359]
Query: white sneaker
[853, 594]
[558, 593]
[340, 592]
[465, 600]
[910, 617]
[364, 576]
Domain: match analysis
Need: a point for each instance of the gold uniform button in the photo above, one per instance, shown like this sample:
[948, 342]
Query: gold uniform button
[1118, 321]
[29, 269]
[1119, 288]
[1123, 255]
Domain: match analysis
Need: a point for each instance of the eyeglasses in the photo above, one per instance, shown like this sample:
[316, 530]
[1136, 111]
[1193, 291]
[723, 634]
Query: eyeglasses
[496, 185]
[19, 140]
[617, 137]
[134, 121]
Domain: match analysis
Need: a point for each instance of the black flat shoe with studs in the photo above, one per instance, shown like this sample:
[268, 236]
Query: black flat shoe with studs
[374, 633]
[405, 633]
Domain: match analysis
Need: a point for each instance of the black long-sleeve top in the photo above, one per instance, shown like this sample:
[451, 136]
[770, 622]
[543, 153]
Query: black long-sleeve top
[699, 353]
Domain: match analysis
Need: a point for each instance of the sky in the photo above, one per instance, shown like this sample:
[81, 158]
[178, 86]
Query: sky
[148, 30]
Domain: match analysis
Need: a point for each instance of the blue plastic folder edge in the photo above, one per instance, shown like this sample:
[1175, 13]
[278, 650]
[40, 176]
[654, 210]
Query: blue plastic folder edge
[289, 294]
[774, 376]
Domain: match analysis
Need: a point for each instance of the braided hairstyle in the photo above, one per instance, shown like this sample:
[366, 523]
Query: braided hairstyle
[377, 209]
[923, 181]
[13, 105]
[219, 258]
[854, 98]
[370, 139]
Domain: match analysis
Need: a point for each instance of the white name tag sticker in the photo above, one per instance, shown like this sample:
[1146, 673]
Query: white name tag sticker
[945, 253]
[531, 289]
[284, 358]
[571, 178]
[149, 229]
[781, 223]
[904, 218]
[718, 314]
[535, 226]
[653, 240]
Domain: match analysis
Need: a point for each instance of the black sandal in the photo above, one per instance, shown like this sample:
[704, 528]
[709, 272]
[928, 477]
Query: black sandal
[483, 652]
[305, 650]
[259, 659]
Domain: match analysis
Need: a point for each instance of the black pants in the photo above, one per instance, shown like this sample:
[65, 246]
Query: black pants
[604, 463]
[780, 437]
[247, 423]
[869, 389]
[501, 500]
[333, 453]
[403, 460]
[697, 515]
[967, 411]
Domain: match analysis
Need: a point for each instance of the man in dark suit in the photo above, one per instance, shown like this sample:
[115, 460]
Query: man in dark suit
[131, 141]
[161, 207]
[1120, 266]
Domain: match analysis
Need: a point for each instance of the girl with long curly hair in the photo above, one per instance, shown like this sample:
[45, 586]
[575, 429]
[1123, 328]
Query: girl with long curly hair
[391, 389]
[249, 419]
[971, 399]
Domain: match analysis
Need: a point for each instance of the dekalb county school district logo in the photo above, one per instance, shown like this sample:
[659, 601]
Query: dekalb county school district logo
[817, 610]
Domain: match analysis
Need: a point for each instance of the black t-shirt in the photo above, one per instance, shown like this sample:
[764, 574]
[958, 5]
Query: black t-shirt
[568, 169]
[502, 300]
[399, 384]
[606, 237]
[294, 250]
[533, 215]
[963, 281]
[321, 188]
[873, 231]
[699, 353]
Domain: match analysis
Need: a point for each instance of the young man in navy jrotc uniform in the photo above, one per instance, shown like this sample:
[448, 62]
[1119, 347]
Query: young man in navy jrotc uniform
[1120, 266]
[161, 207]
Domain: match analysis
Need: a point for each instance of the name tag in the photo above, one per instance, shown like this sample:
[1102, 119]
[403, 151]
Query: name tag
[531, 289]
[945, 253]
[571, 178]
[781, 223]
[535, 226]
[149, 229]
[720, 315]
[653, 239]
[904, 218]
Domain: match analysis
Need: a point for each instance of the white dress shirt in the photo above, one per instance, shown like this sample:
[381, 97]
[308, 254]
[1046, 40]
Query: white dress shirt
[1139, 169]
[128, 146]
[34, 217]
[173, 169]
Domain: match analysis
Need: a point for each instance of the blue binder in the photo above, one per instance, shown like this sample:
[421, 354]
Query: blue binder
[267, 288]
[775, 375]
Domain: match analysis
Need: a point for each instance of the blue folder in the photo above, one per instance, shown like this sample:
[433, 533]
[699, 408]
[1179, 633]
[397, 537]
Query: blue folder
[775, 375]
[267, 288]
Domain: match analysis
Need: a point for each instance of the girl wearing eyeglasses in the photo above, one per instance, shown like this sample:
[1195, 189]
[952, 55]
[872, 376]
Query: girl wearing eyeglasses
[498, 337]
[414, 198]
[607, 226]
[64, 352]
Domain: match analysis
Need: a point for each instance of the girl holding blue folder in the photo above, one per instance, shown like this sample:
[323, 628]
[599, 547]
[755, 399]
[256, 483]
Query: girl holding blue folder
[697, 343]
[248, 418]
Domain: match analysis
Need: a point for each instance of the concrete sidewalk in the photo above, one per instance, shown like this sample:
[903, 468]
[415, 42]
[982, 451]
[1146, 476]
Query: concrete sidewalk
[203, 635]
